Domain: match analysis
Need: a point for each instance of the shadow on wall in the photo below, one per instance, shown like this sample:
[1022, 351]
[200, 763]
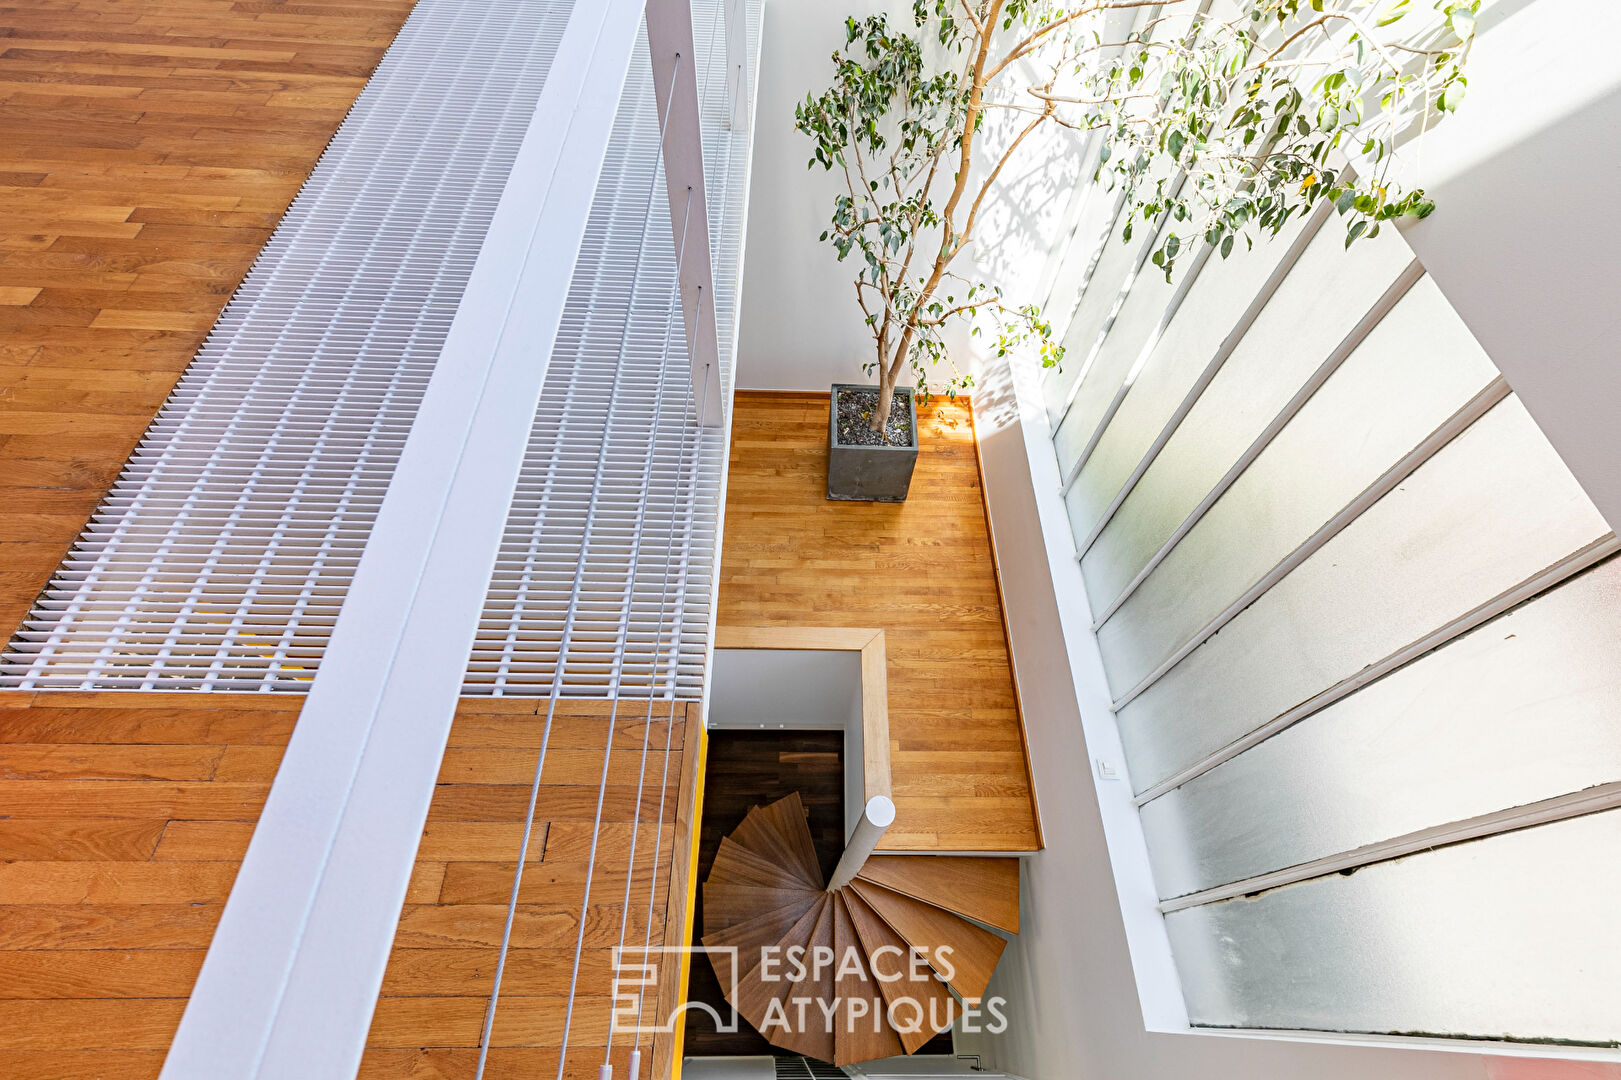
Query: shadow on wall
[1541, 1069]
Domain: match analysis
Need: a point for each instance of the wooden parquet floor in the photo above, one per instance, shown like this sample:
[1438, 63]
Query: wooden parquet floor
[147, 149]
[124, 817]
[921, 571]
[431, 1012]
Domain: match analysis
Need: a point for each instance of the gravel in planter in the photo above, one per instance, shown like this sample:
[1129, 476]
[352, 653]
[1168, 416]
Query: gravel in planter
[855, 424]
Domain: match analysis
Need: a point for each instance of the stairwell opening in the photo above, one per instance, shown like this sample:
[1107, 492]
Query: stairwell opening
[782, 721]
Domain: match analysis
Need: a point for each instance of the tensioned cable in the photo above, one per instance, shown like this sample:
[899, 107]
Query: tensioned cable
[669, 725]
[566, 640]
[658, 631]
[607, 758]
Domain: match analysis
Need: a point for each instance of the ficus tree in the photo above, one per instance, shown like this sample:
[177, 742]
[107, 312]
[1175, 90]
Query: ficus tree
[1220, 119]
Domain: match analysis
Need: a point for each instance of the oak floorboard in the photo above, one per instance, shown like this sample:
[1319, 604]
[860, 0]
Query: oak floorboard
[440, 974]
[148, 152]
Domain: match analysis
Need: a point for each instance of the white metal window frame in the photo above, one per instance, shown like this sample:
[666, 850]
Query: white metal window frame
[1158, 984]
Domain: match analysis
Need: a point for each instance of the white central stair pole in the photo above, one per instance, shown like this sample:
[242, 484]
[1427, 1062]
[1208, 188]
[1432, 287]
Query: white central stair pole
[876, 817]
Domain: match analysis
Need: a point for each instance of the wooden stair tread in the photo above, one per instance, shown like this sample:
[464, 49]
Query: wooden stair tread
[755, 995]
[750, 936]
[906, 996]
[737, 865]
[920, 915]
[978, 887]
[860, 1034]
[813, 1038]
[974, 950]
[726, 904]
[789, 816]
[778, 834]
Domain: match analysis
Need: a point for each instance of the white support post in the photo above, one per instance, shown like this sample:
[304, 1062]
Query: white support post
[669, 33]
[876, 817]
[292, 975]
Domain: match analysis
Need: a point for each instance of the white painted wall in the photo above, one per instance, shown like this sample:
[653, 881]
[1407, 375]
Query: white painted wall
[803, 689]
[1070, 980]
[1523, 246]
[800, 327]
[1528, 224]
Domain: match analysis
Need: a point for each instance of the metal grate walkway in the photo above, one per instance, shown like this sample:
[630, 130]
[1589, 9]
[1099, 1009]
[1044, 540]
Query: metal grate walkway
[222, 554]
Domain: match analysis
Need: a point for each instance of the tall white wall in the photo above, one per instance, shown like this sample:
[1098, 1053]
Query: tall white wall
[801, 328]
[1523, 246]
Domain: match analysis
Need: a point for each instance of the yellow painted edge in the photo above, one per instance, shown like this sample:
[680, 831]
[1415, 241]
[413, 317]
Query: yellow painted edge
[692, 891]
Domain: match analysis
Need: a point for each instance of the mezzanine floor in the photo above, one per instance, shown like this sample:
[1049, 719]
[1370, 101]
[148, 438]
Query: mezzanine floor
[921, 571]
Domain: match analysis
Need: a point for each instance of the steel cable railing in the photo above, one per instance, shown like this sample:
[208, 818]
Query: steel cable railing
[566, 640]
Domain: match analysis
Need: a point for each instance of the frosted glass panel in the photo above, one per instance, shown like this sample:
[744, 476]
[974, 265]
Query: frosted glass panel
[1522, 709]
[1132, 327]
[1208, 314]
[1412, 372]
[1330, 290]
[1495, 507]
[1083, 246]
[1510, 937]
[1102, 293]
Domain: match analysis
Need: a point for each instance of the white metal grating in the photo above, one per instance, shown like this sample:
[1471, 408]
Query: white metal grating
[221, 556]
[642, 615]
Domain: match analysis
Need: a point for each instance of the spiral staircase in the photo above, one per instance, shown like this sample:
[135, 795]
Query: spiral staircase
[874, 968]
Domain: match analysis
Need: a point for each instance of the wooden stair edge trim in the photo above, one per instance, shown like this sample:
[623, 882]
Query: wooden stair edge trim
[869, 642]
[680, 900]
[875, 766]
[897, 883]
[1007, 634]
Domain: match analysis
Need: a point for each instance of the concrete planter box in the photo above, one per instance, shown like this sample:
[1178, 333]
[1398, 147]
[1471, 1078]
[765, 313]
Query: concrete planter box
[868, 473]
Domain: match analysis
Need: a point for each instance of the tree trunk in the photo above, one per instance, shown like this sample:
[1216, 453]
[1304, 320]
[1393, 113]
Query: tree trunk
[886, 397]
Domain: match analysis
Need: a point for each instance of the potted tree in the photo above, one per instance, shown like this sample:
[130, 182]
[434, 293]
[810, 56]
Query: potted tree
[1231, 124]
